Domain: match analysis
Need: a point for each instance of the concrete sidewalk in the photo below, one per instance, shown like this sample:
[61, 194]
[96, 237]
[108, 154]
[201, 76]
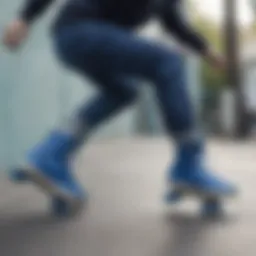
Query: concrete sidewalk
[126, 216]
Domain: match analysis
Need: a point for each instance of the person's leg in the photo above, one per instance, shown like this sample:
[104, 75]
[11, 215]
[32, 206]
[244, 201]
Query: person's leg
[119, 52]
[50, 157]
[52, 154]
[104, 50]
[115, 94]
[188, 170]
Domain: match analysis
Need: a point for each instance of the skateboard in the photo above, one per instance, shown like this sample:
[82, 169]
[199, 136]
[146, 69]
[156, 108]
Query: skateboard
[62, 204]
[211, 203]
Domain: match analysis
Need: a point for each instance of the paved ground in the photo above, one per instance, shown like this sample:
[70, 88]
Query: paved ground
[126, 215]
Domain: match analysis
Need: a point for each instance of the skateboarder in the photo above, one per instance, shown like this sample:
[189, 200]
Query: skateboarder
[97, 39]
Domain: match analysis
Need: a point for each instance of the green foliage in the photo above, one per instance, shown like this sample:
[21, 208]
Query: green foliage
[211, 77]
[210, 30]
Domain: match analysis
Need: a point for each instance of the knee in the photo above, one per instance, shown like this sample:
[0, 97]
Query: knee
[170, 67]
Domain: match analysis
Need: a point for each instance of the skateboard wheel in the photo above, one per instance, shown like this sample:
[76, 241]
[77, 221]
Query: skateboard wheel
[18, 175]
[173, 197]
[59, 207]
[212, 208]
[63, 209]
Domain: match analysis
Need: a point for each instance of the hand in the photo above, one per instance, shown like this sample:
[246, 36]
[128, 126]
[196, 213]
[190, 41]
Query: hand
[216, 60]
[15, 33]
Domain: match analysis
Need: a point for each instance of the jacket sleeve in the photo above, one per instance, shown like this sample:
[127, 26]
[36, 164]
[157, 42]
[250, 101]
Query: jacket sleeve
[176, 23]
[33, 8]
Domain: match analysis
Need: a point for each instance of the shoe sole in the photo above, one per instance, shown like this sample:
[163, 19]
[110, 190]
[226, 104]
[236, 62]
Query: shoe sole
[35, 176]
[186, 190]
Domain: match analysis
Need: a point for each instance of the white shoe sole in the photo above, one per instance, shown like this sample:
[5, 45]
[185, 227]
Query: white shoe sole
[186, 190]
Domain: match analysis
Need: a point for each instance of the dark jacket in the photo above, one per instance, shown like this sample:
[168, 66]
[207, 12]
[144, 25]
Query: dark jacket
[126, 13]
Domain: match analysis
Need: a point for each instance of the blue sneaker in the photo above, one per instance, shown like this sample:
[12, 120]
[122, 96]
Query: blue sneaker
[188, 175]
[49, 169]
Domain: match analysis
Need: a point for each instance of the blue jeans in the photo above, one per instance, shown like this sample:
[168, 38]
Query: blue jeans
[113, 57]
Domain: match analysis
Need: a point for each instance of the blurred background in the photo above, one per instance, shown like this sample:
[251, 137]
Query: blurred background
[37, 93]
[126, 214]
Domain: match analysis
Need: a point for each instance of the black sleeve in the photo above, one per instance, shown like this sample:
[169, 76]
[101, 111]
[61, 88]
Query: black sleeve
[33, 8]
[175, 22]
